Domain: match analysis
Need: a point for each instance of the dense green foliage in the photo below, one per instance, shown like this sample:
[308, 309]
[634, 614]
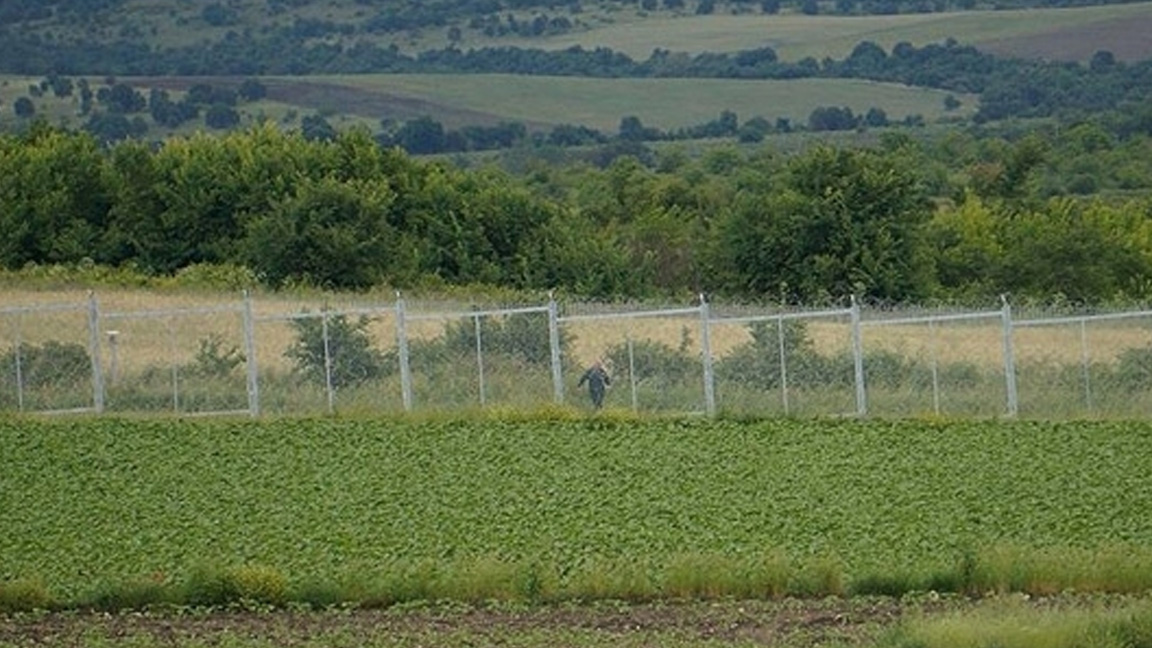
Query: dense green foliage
[347, 213]
[86, 503]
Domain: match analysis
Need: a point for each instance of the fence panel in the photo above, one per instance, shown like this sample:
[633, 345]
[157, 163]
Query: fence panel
[46, 358]
[189, 361]
[280, 357]
[480, 358]
[785, 364]
[1095, 366]
[945, 364]
[322, 360]
[654, 358]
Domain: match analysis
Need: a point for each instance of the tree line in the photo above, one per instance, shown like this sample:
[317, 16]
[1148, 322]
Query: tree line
[892, 223]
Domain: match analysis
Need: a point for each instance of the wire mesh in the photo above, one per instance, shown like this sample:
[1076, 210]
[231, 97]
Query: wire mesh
[324, 360]
[785, 364]
[652, 358]
[281, 356]
[1085, 366]
[949, 364]
[46, 361]
[189, 361]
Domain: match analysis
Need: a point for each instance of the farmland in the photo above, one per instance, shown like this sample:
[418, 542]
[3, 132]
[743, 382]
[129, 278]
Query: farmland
[1062, 34]
[575, 531]
[540, 102]
[89, 502]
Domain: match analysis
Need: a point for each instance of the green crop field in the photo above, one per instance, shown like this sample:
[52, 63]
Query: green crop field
[664, 103]
[576, 507]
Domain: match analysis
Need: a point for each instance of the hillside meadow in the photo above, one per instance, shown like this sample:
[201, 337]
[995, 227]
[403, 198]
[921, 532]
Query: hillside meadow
[1053, 33]
[540, 102]
[1069, 33]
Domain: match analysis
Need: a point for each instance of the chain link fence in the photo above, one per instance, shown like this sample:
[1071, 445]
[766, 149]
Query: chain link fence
[265, 356]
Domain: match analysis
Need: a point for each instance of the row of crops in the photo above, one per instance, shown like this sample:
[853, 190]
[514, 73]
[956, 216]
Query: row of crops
[88, 502]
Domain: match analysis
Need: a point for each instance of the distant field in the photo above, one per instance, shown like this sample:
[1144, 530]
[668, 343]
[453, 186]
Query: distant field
[1063, 34]
[1068, 34]
[458, 100]
[601, 103]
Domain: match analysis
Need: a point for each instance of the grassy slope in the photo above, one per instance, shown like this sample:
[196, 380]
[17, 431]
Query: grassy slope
[83, 501]
[458, 100]
[795, 36]
[665, 103]
[638, 33]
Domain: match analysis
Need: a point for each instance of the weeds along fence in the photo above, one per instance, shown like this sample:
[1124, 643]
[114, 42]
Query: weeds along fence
[253, 357]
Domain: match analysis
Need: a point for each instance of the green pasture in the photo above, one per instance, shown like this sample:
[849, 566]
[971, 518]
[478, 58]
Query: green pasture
[796, 36]
[458, 100]
[663, 103]
[570, 506]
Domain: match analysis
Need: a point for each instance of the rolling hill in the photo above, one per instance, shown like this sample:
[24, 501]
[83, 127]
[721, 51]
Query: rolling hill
[541, 102]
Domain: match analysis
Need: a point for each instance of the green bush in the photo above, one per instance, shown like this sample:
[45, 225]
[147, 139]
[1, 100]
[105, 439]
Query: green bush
[524, 336]
[52, 364]
[758, 362]
[653, 361]
[349, 349]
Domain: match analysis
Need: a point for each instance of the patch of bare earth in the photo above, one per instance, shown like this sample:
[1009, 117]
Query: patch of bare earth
[1129, 39]
[854, 621]
[336, 98]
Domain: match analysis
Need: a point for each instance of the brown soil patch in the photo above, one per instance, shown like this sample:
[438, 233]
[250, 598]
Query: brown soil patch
[337, 98]
[794, 622]
[1129, 39]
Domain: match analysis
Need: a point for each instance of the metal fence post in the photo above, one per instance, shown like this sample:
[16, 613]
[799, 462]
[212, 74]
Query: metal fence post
[328, 389]
[1086, 364]
[250, 357]
[858, 360]
[554, 343]
[479, 357]
[783, 363]
[18, 354]
[1009, 357]
[402, 347]
[706, 356]
[94, 352]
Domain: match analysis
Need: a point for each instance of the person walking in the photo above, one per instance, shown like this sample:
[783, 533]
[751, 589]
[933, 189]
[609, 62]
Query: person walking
[598, 382]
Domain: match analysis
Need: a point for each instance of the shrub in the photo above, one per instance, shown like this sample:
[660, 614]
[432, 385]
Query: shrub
[349, 350]
[213, 362]
[524, 336]
[52, 364]
[651, 360]
[758, 362]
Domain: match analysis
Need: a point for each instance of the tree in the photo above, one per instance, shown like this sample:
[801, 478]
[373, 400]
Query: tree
[316, 128]
[328, 233]
[846, 222]
[221, 117]
[24, 108]
[113, 127]
[421, 135]
[123, 99]
[331, 350]
[876, 118]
